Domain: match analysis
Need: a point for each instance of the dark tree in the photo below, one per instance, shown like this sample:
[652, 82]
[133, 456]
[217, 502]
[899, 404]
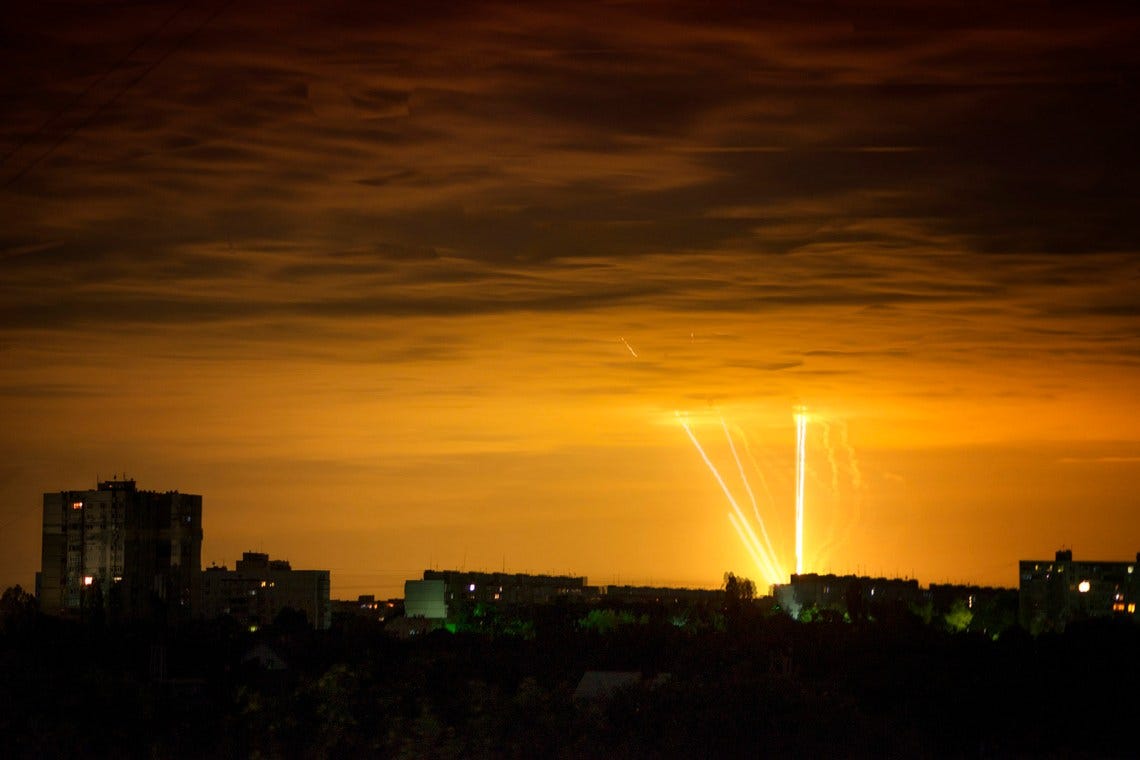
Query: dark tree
[738, 596]
[18, 609]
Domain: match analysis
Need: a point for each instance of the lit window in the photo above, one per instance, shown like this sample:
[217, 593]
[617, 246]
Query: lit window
[1118, 607]
[471, 587]
[79, 505]
[263, 584]
[1132, 608]
[88, 580]
[1130, 569]
[1083, 587]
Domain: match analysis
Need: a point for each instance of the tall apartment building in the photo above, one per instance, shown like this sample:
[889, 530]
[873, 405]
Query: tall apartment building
[1054, 593]
[259, 588]
[134, 555]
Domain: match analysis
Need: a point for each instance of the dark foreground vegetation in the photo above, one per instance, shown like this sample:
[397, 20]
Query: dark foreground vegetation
[747, 684]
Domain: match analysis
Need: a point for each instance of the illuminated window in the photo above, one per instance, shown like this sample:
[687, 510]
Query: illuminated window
[88, 580]
[1130, 569]
[263, 584]
[1083, 587]
[471, 587]
[1118, 607]
[79, 505]
[1132, 608]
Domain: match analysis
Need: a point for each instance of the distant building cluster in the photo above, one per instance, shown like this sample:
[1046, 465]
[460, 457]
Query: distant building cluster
[130, 555]
[443, 594]
[1051, 594]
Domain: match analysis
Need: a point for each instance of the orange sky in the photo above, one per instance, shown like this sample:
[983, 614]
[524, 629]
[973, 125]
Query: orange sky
[365, 279]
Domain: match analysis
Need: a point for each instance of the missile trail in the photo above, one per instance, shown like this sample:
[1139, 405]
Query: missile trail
[744, 540]
[763, 562]
[752, 498]
[755, 465]
[801, 435]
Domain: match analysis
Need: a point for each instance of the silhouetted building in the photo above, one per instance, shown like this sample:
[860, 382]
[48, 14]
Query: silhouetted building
[507, 588]
[664, 595]
[1054, 593]
[855, 595]
[425, 599]
[258, 589]
[118, 551]
[366, 607]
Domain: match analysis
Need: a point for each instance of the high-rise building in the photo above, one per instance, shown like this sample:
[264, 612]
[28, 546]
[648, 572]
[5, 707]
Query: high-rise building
[1054, 593]
[259, 588]
[121, 552]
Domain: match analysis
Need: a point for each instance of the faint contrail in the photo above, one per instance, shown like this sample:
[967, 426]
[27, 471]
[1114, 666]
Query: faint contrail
[623, 340]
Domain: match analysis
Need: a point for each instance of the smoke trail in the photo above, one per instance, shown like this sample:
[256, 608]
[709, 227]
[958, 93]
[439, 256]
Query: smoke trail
[842, 530]
[830, 456]
[856, 475]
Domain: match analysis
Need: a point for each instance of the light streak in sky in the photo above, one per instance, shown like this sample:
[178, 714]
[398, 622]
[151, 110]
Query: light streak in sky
[752, 498]
[841, 510]
[626, 342]
[764, 562]
[801, 436]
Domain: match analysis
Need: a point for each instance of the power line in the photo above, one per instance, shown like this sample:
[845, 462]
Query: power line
[86, 90]
[122, 91]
